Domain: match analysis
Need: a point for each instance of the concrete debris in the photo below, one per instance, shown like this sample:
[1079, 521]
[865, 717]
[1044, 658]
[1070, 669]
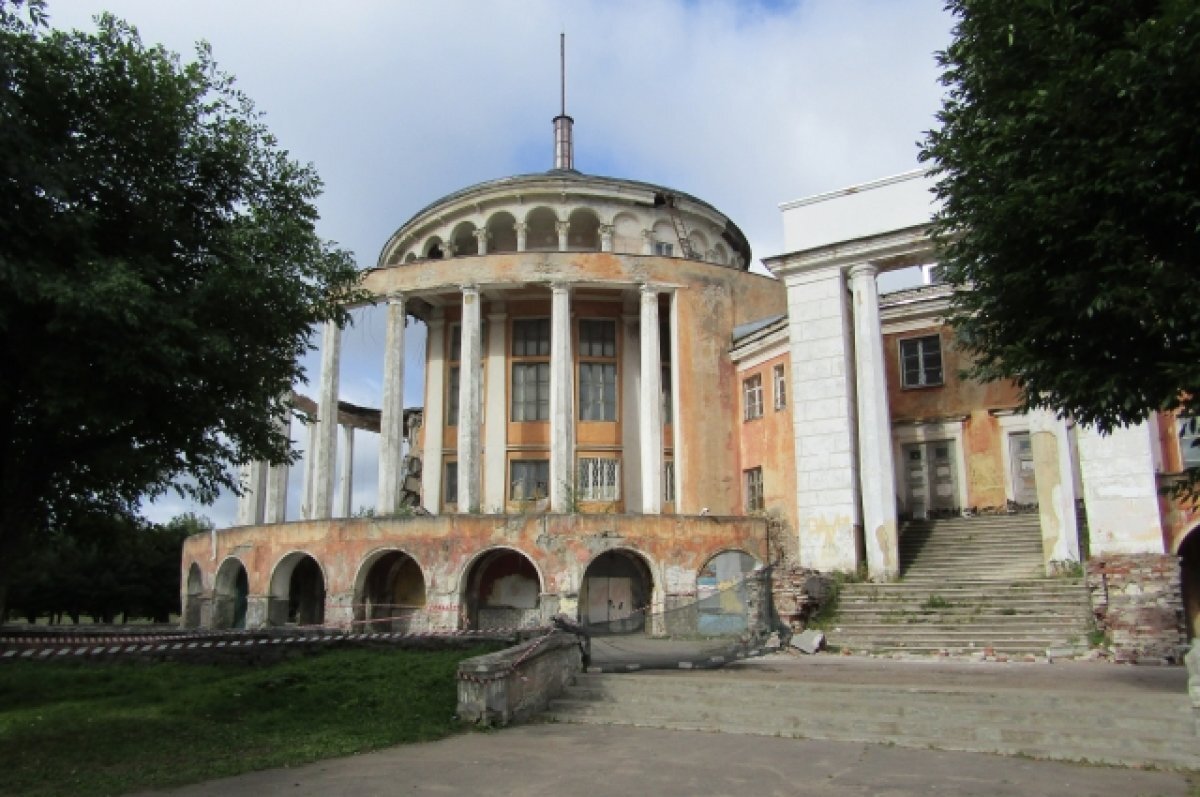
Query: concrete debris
[809, 641]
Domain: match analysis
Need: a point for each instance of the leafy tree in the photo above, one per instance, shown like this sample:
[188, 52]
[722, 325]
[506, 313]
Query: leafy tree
[1069, 166]
[160, 274]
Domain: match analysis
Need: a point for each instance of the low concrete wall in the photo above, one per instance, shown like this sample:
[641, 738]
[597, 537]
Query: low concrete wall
[514, 684]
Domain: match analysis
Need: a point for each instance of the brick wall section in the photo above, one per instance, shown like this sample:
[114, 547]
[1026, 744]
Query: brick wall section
[1137, 602]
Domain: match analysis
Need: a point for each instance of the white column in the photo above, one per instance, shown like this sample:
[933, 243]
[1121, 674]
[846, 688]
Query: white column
[680, 454]
[562, 400]
[630, 383]
[876, 476]
[252, 500]
[346, 478]
[563, 227]
[650, 405]
[481, 235]
[1054, 475]
[521, 229]
[391, 413]
[469, 403]
[1120, 490]
[495, 423]
[327, 413]
[275, 510]
[606, 237]
[826, 478]
[435, 408]
[310, 469]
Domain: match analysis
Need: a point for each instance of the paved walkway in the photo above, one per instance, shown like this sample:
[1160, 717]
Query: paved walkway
[566, 760]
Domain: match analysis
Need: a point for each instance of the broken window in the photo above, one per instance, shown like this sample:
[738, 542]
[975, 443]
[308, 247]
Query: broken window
[599, 479]
[753, 479]
[529, 479]
[921, 361]
[752, 398]
[780, 381]
[663, 249]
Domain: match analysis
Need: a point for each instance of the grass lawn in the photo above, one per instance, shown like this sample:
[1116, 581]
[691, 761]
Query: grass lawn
[97, 729]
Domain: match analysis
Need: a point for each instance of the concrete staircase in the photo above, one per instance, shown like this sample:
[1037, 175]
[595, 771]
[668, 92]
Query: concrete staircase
[1100, 723]
[968, 585]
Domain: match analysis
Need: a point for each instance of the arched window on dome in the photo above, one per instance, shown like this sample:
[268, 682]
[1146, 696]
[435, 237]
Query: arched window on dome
[699, 243]
[464, 239]
[720, 254]
[434, 249]
[541, 233]
[502, 232]
[584, 232]
[411, 257]
[627, 234]
[666, 243]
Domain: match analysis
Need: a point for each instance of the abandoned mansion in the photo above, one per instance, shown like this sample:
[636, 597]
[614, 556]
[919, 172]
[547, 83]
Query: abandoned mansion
[618, 415]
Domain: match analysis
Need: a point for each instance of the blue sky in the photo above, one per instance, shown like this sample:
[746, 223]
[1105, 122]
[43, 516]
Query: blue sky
[746, 105]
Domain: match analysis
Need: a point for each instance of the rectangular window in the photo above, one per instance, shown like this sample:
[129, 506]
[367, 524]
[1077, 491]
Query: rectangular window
[663, 249]
[754, 489]
[669, 481]
[455, 352]
[668, 407]
[452, 397]
[780, 380]
[598, 339]
[530, 392]
[451, 483]
[752, 398]
[529, 479]
[597, 392]
[921, 361]
[531, 337]
[1189, 440]
[597, 370]
[599, 479]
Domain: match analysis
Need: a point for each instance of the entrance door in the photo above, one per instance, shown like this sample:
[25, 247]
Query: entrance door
[609, 599]
[1020, 449]
[930, 477]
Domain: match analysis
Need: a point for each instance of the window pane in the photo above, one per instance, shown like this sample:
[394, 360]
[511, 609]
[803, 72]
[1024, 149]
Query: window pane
[530, 478]
[531, 337]
[452, 398]
[597, 392]
[597, 338]
[598, 479]
[451, 483]
[530, 392]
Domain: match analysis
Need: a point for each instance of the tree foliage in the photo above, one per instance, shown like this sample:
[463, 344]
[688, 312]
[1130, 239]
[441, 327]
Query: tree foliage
[159, 274]
[1069, 167]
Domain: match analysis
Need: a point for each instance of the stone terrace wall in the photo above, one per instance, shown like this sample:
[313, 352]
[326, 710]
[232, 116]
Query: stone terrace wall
[1137, 602]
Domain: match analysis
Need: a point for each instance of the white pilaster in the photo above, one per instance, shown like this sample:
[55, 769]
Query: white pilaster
[876, 476]
[482, 235]
[435, 407]
[1120, 490]
[647, 242]
[678, 421]
[826, 479]
[391, 412]
[521, 229]
[327, 413]
[562, 227]
[495, 422]
[562, 400]
[606, 237]
[346, 477]
[469, 404]
[650, 404]
[1054, 474]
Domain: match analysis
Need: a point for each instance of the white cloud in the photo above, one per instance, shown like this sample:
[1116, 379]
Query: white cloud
[398, 103]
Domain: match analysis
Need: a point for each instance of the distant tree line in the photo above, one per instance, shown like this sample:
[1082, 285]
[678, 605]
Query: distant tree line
[104, 567]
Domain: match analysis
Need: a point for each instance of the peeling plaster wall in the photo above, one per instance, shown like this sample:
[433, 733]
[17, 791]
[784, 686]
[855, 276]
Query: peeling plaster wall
[445, 547]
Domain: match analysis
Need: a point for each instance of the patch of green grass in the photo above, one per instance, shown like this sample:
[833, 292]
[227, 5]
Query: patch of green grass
[96, 729]
[935, 601]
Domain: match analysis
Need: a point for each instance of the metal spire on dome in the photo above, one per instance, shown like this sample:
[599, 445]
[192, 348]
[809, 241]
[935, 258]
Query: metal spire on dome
[564, 145]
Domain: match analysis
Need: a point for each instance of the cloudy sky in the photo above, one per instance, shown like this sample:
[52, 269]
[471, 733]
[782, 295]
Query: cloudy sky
[745, 104]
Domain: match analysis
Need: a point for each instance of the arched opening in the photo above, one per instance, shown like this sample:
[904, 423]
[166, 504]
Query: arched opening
[411, 257]
[231, 595]
[721, 594]
[584, 231]
[193, 598]
[616, 592]
[464, 240]
[390, 592]
[541, 230]
[720, 254]
[502, 232]
[502, 590]
[434, 249]
[666, 242]
[1189, 565]
[699, 243]
[297, 592]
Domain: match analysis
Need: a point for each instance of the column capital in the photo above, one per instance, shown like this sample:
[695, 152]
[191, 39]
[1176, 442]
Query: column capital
[559, 287]
[648, 291]
[562, 227]
[482, 234]
[520, 226]
[469, 290]
[861, 270]
[606, 229]
[396, 297]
